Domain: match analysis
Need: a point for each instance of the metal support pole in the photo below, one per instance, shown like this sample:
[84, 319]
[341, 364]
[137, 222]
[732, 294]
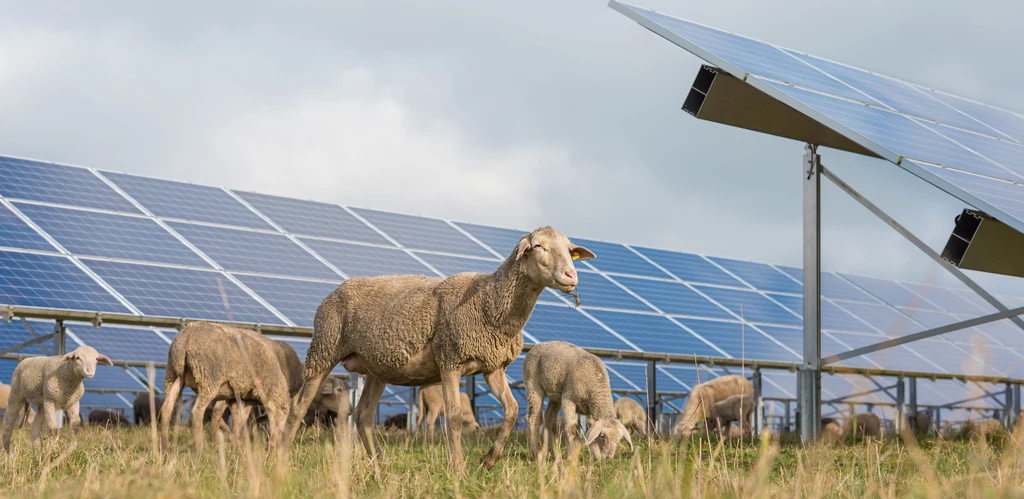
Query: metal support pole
[901, 406]
[652, 396]
[810, 371]
[785, 418]
[358, 381]
[414, 409]
[1008, 407]
[1016, 405]
[471, 393]
[937, 419]
[60, 338]
[758, 403]
[913, 405]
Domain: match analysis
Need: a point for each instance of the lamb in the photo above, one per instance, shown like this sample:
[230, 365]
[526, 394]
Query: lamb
[142, 411]
[574, 381]
[867, 424]
[220, 363]
[50, 383]
[703, 397]
[5, 393]
[735, 408]
[431, 406]
[831, 431]
[631, 414]
[108, 418]
[411, 330]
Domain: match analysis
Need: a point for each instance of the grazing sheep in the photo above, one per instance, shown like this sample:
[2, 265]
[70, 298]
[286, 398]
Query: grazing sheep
[142, 411]
[703, 397]
[220, 363]
[631, 414]
[867, 423]
[396, 422]
[108, 418]
[735, 408]
[431, 406]
[831, 431]
[920, 422]
[981, 429]
[412, 330]
[576, 382]
[50, 383]
[732, 431]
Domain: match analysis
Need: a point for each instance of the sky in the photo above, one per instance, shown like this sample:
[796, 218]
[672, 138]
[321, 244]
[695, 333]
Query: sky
[513, 114]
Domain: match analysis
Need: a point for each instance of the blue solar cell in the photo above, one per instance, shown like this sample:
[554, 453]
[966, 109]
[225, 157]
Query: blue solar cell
[423, 233]
[7, 367]
[1001, 195]
[597, 291]
[899, 357]
[832, 286]
[946, 299]
[620, 381]
[1009, 155]
[199, 203]
[112, 378]
[949, 357]
[14, 233]
[502, 241]
[301, 347]
[1010, 124]
[176, 292]
[740, 341]
[1004, 332]
[14, 333]
[674, 298]
[617, 258]
[883, 318]
[91, 401]
[254, 251]
[123, 343]
[760, 276]
[31, 280]
[794, 339]
[451, 265]
[552, 322]
[26, 179]
[297, 300]
[358, 260]
[685, 376]
[690, 268]
[889, 292]
[158, 378]
[747, 55]
[312, 218]
[750, 305]
[653, 333]
[114, 236]
[832, 317]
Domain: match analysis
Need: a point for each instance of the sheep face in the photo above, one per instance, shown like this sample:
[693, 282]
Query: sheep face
[549, 257]
[84, 359]
[604, 436]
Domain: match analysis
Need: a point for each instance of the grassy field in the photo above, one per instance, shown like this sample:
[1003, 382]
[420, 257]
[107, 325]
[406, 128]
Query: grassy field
[326, 463]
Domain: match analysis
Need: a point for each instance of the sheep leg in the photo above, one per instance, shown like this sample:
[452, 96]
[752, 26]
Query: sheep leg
[37, 425]
[569, 415]
[372, 391]
[203, 399]
[11, 417]
[534, 421]
[171, 392]
[217, 416]
[300, 404]
[74, 416]
[432, 413]
[453, 413]
[498, 384]
[551, 426]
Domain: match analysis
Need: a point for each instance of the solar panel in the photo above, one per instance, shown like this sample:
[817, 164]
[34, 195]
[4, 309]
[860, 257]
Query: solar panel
[115, 236]
[690, 268]
[890, 292]
[740, 341]
[90, 401]
[947, 300]
[423, 233]
[451, 265]
[32, 280]
[187, 201]
[653, 333]
[502, 241]
[751, 306]
[617, 258]
[832, 317]
[760, 276]
[177, 292]
[311, 218]
[553, 322]
[1006, 123]
[297, 300]
[36, 181]
[597, 291]
[111, 378]
[123, 343]
[253, 251]
[7, 367]
[674, 298]
[1002, 195]
[358, 260]
[15, 233]
[794, 339]
[14, 333]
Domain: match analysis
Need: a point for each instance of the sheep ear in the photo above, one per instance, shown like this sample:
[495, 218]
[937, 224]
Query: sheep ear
[594, 432]
[68, 356]
[580, 253]
[524, 245]
[103, 359]
[625, 432]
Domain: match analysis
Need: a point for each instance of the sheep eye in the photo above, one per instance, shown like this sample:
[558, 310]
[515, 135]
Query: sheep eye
[538, 246]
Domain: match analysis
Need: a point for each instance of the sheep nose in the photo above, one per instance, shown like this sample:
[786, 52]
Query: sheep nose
[571, 274]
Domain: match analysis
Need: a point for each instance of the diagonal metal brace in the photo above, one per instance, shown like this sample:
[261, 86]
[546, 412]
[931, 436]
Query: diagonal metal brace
[34, 334]
[24, 344]
[920, 245]
[956, 326]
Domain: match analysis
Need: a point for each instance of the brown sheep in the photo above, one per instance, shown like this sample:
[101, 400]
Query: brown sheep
[107, 418]
[831, 431]
[867, 424]
[631, 414]
[219, 363]
[920, 422]
[431, 406]
[396, 422]
[736, 408]
[703, 397]
[142, 411]
[411, 330]
[981, 429]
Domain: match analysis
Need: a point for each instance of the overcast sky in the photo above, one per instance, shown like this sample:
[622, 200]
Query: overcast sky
[513, 114]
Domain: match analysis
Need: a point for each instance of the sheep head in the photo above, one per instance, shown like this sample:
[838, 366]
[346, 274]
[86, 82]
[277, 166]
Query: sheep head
[83, 360]
[549, 258]
[334, 395]
[604, 436]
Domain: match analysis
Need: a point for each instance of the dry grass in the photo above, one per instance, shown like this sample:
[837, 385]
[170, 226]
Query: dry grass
[326, 463]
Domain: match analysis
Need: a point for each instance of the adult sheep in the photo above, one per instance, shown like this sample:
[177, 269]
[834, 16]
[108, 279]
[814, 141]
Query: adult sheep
[631, 414]
[920, 422]
[220, 363]
[107, 418]
[430, 401]
[703, 397]
[50, 383]
[142, 412]
[735, 408]
[863, 424]
[412, 330]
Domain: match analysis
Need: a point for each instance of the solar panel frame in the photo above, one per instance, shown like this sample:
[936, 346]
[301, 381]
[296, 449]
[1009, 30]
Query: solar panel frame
[58, 184]
[312, 218]
[15, 233]
[50, 281]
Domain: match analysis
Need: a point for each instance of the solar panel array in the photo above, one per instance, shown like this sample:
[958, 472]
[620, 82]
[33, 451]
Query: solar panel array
[83, 239]
[969, 149]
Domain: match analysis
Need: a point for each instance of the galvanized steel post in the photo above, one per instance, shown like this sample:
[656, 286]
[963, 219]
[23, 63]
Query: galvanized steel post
[652, 396]
[809, 392]
[901, 404]
[912, 382]
[758, 403]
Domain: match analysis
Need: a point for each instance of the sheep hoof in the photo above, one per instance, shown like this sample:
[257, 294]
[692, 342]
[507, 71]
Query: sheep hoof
[489, 460]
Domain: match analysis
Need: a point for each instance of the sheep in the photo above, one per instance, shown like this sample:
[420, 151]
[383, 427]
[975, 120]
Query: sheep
[219, 363]
[867, 424]
[431, 405]
[920, 422]
[50, 383]
[108, 418]
[631, 414]
[574, 381]
[412, 330]
[703, 397]
[831, 431]
[142, 412]
[5, 393]
[980, 430]
[396, 422]
[735, 408]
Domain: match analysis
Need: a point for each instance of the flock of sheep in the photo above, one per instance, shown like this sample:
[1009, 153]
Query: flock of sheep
[405, 330]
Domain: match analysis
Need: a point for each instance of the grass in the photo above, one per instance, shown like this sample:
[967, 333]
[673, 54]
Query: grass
[327, 463]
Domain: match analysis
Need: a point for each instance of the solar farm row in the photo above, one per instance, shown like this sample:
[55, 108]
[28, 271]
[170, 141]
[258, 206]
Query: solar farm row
[83, 239]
